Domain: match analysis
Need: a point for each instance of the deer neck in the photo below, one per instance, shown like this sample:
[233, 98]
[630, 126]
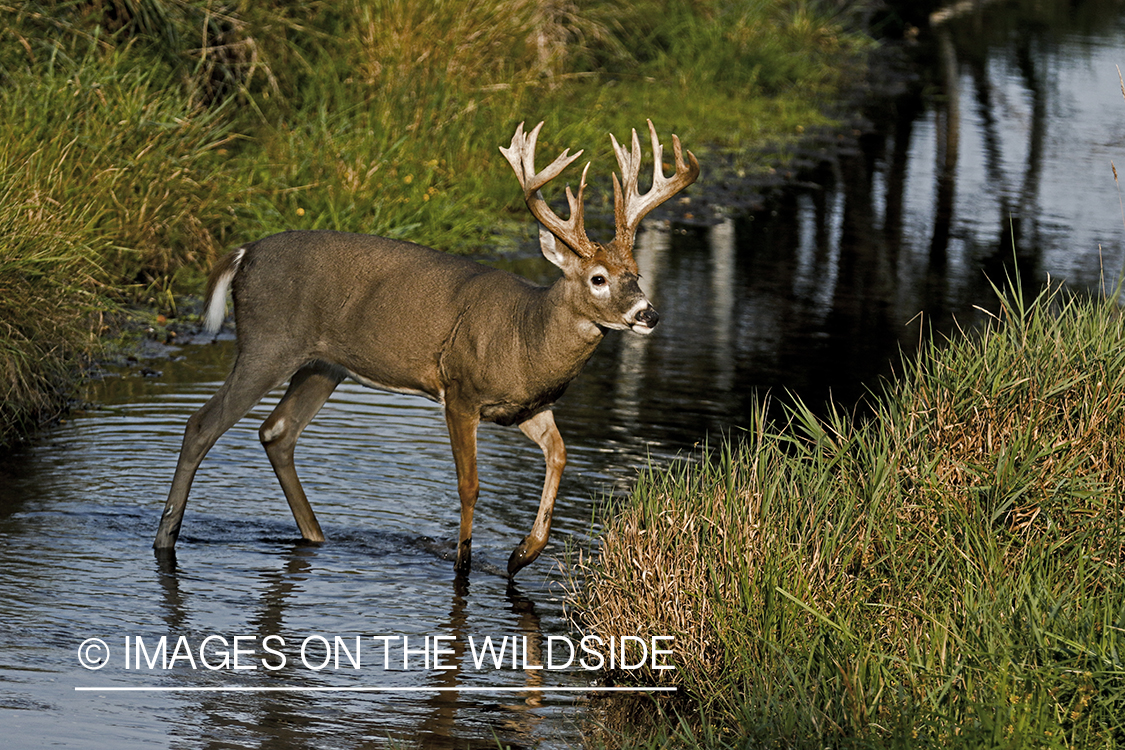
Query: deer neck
[562, 333]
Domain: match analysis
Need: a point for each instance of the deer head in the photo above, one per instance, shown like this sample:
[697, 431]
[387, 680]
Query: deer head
[607, 273]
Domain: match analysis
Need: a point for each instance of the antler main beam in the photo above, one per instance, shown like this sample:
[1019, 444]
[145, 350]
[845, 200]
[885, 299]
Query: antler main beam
[629, 206]
[521, 155]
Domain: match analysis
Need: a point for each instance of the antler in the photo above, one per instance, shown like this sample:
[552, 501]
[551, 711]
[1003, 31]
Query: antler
[521, 155]
[629, 207]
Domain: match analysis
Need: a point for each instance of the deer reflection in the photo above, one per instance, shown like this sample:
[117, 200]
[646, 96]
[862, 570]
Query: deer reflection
[440, 729]
[441, 718]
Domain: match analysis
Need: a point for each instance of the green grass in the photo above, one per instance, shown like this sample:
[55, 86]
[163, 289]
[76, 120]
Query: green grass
[946, 573]
[110, 188]
[141, 138]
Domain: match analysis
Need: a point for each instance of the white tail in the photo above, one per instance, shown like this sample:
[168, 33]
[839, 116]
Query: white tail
[217, 291]
[316, 307]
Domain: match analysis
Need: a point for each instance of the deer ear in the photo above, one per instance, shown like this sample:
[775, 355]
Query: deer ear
[553, 251]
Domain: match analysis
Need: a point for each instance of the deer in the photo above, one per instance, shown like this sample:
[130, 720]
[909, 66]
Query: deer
[316, 307]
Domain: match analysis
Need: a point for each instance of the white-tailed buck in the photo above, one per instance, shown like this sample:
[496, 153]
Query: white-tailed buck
[317, 307]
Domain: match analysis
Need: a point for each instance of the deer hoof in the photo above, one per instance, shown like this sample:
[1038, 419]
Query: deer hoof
[464, 557]
[521, 557]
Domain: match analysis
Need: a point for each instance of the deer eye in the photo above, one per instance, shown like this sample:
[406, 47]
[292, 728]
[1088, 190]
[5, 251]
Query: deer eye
[597, 280]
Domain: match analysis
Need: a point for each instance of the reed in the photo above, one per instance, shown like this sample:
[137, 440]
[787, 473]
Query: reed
[945, 573]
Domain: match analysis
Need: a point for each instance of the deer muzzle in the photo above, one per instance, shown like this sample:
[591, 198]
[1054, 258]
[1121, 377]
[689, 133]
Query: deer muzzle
[645, 320]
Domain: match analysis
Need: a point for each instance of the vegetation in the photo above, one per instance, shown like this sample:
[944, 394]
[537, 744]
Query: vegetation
[139, 138]
[945, 573]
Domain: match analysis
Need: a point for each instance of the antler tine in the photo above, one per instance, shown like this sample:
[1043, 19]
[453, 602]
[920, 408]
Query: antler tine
[521, 155]
[629, 206]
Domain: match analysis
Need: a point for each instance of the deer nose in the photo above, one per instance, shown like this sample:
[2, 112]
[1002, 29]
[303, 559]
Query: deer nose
[648, 317]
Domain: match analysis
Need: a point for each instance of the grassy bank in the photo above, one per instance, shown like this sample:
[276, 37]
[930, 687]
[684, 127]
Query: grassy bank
[109, 189]
[139, 139]
[947, 573]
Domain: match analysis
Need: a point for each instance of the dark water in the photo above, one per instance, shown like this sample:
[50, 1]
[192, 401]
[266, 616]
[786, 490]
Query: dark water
[817, 293]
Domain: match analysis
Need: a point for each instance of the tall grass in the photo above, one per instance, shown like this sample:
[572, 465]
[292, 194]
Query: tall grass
[947, 573]
[163, 131]
[107, 183]
[46, 293]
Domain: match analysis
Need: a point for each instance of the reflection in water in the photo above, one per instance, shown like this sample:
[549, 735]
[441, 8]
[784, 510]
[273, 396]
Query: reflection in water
[433, 719]
[723, 260]
[999, 153]
[1001, 147]
[948, 145]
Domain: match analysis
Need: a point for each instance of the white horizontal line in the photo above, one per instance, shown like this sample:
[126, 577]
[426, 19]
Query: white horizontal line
[379, 689]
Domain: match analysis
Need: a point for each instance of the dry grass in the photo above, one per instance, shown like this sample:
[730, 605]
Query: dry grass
[947, 572]
[481, 45]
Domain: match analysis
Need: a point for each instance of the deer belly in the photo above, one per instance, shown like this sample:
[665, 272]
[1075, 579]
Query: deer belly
[393, 387]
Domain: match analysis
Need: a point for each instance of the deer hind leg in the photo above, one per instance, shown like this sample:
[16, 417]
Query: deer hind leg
[308, 389]
[463, 439]
[243, 388]
[541, 428]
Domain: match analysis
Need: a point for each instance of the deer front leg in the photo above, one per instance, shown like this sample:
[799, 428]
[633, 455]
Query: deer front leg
[541, 428]
[463, 439]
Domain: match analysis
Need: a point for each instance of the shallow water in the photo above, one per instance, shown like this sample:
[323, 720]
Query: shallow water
[816, 293]
[79, 514]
